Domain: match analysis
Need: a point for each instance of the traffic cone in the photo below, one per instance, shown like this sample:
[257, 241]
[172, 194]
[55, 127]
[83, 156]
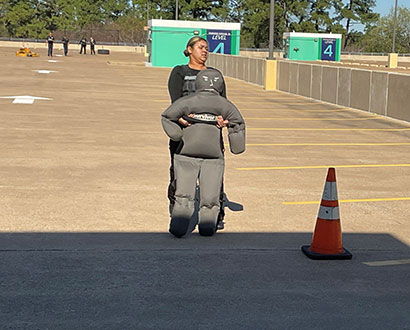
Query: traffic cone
[327, 237]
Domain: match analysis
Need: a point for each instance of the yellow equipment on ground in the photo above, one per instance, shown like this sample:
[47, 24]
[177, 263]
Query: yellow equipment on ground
[26, 52]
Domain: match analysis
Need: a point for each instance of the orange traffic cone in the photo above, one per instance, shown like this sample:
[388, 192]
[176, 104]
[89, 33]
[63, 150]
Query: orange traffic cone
[327, 238]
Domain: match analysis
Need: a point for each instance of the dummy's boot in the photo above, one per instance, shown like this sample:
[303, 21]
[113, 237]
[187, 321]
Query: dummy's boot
[178, 226]
[181, 216]
[207, 220]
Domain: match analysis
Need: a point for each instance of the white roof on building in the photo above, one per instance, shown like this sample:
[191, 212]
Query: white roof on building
[194, 24]
[312, 35]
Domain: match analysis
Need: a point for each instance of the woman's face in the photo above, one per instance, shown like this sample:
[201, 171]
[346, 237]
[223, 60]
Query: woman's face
[199, 52]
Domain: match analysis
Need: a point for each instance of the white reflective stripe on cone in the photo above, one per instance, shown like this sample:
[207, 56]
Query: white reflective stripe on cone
[329, 213]
[330, 191]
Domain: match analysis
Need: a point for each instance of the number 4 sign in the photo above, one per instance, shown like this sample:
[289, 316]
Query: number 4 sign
[328, 49]
[219, 41]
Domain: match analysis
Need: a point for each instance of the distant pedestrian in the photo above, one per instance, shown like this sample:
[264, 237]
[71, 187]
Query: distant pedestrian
[92, 46]
[83, 43]
[65, 41]
[50, 42]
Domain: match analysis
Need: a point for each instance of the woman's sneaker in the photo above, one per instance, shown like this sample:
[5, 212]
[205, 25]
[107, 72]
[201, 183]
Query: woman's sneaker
[220, 224]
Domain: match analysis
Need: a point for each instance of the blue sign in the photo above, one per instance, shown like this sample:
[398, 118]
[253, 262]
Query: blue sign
[328, 50]
[219, 41]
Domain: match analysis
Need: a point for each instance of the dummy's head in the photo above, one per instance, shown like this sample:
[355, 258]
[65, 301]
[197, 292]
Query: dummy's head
[209, 79]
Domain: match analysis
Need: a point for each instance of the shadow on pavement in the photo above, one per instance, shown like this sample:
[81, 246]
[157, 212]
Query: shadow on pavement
[229, 281]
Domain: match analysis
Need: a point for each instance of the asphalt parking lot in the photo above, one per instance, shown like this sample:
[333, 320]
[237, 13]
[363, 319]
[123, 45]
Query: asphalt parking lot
[84, 213]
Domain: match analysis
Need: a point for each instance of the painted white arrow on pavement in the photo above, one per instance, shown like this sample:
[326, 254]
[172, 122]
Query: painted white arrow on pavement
[24, 99]
[44, 71]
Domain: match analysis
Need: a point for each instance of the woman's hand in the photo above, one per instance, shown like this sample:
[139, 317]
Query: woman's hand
[184, 122]
[221, 122]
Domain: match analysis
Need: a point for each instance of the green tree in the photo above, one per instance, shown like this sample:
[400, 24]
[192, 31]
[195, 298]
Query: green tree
[379, 38]
[216, 10]
[87, 12]
[48, 11]
[65, 18]
[357, 11]
[24, 19]
[319, 14]
[114, 9]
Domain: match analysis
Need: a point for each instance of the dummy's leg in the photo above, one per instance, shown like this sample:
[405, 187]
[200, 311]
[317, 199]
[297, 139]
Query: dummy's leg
[221, 224]
[210, 180]
[186, 171]
[173, 146]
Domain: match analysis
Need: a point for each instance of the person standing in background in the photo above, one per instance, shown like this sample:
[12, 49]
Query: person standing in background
[83, 43]
[92, 46]
[65, 41]
[50, 42]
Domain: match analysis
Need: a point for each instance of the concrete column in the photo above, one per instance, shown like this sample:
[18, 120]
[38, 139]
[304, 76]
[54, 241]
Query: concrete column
[270, 74]
[393, 59]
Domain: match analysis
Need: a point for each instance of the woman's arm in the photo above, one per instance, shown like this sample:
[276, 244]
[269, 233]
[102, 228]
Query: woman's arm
[175, 83]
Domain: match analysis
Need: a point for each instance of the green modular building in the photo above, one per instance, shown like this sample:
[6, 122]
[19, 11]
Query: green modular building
[167, 39]
[312, 46]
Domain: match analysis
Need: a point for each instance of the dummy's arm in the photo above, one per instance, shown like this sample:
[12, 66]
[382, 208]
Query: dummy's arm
[172, 129]
[236, 130]
[170, 118]
[177, 109]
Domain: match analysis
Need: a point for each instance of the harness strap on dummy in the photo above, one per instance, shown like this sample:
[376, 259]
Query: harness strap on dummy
[202, 118]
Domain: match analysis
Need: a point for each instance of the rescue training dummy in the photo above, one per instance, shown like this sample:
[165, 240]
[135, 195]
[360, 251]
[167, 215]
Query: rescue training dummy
[200, 154]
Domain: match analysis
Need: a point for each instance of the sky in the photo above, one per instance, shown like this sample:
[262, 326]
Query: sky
[383, 6]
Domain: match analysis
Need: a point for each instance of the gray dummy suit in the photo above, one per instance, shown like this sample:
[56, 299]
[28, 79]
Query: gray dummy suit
[200, 155]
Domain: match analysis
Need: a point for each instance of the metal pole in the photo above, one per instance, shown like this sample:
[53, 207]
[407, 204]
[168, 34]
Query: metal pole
[394, 27]
[271, 27]
[176, 10]
[147, 13]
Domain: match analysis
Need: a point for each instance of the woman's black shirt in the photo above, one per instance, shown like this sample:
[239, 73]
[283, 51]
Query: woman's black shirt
[181, 82]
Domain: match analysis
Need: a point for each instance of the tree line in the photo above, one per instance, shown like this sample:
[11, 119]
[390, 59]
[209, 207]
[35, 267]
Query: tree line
[124, 20]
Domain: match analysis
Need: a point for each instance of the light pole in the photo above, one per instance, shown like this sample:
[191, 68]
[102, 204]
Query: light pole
[271, 27]
[176, 10]
[147, 13]
[394, 27]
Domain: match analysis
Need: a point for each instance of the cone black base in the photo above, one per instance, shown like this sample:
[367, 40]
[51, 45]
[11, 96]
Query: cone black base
[346, 255]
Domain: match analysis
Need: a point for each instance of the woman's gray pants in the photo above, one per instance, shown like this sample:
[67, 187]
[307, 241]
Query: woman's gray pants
[188, 171]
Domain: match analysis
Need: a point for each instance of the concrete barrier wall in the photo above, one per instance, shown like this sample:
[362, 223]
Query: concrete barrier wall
[384, 93]
[344, 87]
[283, 79]
[316, 82]
[360, 90]
[305, 80]
[371, 58]
[329, 84]
[398, 99]
[293, 78]
[248, 69]
[378, 93]
[343, 57]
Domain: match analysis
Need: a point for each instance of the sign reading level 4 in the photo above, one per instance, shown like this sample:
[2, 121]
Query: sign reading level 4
[328, 49]
[219, 41]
